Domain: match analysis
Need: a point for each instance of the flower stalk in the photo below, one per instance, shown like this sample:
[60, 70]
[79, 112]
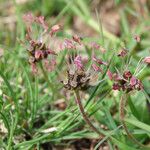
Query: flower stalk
[85, 117]
[123, 102]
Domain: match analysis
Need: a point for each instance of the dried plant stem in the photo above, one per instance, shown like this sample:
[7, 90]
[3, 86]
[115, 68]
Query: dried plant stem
[85, 117]
[123, 102]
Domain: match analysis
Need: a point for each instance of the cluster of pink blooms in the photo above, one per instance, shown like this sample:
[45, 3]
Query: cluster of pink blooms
[38, 41]
[126, 82]
[81, 72]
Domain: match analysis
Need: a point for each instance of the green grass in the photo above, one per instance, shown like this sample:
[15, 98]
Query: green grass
[27, 102]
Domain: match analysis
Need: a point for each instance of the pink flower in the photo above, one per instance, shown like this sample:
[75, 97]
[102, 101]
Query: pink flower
[95, 45]
[96, 68]
[77, 39]
[38, 54]
[37, 41]
[133, 81]
[127, 74]
[28, 18]
[99, 61]
[117, 77]
[110, 75]
[116, 86]
[137, 38]
[78, 62]
[41, 21]
[69, 44]
[54, 29]
[147, 59]
[122, 53]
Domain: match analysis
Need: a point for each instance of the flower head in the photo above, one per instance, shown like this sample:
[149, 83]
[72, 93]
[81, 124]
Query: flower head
[122, 53]
[82, 72]
[126, 82]
[37, 40]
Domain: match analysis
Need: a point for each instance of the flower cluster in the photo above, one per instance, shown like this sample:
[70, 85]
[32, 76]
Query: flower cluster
[126, 82]
[38, 41]
[81, 72]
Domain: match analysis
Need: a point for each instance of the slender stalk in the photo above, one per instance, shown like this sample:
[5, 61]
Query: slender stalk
[12, 130]
[122, 105]
[85, 117]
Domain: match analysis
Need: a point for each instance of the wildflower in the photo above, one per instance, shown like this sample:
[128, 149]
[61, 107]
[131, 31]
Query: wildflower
[116, 86]
[137, 38]
[80, 73]
[96, 68]
[122, 53]
[126, 82]
[55, 29]
[28, 18]
[127, 74]
[78, 62]
[77, 39]
[95, 45]
[37, 41]
[99, 61]
[133, 81]
[69, 44]
[110, 75]
[147, 60]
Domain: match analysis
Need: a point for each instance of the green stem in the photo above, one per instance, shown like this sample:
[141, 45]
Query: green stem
[12, 131]
[86, 119]
[122, 105]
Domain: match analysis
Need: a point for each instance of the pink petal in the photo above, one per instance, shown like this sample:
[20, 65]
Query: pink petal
[133, 81]
[127, 74]
[122, 53]
[110, 75]
[147, 59]
[95, 45]
[99, 61]
[42, 22]
[77, 39]
[55, 29]
[78, 62]
[137, 38]
[38, 54]
[28, 18]
[69, 44]
[116, 86]
[96, 68]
